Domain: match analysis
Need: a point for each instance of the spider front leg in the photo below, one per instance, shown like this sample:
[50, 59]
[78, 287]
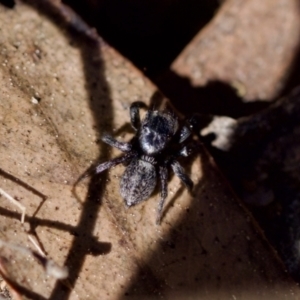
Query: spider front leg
[123, 146]
[163, 175]
[135, 118]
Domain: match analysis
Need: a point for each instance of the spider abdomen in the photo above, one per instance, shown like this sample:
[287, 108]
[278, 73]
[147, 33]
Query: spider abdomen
[138, 181]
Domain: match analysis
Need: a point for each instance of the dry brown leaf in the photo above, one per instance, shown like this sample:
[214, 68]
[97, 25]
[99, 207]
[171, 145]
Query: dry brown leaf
[249, 44]
[58, 95]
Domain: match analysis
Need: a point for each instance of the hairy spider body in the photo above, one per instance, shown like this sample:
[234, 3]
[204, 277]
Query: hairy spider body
[154, 148]
[138, 181]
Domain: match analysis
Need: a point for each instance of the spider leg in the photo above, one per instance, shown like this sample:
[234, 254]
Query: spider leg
[184, 133]
[123, 146]
[113, 162]
[135, 114]
[163, 175]
[191, 126]
[179, 171]
[184, 151]
[188, 149]
[104, 166]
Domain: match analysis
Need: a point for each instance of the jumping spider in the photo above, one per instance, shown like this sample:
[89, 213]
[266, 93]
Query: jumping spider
[156, 145]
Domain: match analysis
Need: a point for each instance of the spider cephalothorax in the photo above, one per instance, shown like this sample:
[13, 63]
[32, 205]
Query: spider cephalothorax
[158, 141]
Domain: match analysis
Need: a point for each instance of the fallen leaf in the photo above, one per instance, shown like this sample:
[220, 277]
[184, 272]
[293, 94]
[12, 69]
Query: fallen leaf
[250, 45]
[59, 93]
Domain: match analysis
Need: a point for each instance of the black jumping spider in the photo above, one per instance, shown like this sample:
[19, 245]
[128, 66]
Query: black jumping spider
[156, 145]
